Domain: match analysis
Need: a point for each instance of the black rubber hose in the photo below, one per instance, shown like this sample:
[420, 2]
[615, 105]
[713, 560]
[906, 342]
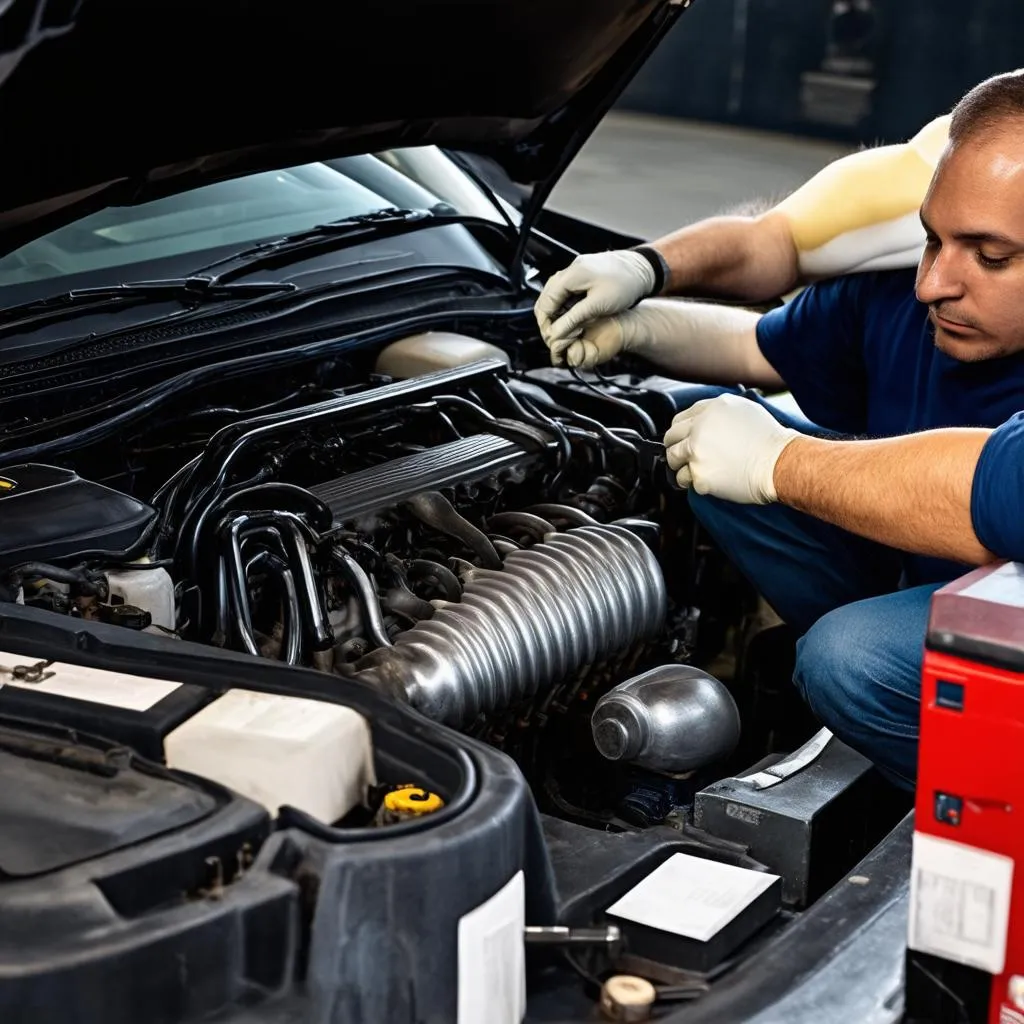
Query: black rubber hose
[631, 408]
[138, 547]
[366, 597]
[286, 497]
[603, 432]
[74, 577]
[434, 509]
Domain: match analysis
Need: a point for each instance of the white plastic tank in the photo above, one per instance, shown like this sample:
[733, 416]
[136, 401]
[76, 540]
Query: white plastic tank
[431, 351]
[309, 754]
[149, 589]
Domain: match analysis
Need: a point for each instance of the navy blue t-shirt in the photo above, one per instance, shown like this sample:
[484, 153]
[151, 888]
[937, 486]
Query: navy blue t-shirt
[859, 355]
[997, 494]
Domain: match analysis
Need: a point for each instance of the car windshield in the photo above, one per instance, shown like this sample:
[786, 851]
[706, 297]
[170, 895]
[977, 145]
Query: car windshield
[108, 245]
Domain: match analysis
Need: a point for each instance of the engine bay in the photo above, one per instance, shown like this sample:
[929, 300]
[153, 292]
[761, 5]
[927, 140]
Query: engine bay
[479, 542]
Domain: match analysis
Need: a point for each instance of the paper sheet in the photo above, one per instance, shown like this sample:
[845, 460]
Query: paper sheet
[692, 896]
[98, 686]
[960, 902]
[492, 958]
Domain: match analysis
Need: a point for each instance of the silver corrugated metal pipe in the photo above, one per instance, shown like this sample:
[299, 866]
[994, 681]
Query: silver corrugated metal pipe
[573, 600]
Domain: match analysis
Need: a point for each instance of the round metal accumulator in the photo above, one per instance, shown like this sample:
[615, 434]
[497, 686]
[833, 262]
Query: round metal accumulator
[672, 719]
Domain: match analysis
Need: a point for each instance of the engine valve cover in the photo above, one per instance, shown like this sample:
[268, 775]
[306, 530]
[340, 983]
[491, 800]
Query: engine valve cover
[48, 513]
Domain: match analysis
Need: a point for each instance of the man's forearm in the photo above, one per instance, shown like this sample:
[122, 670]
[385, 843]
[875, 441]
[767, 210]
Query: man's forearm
[699, 341]
[748, 258]
[912, 493]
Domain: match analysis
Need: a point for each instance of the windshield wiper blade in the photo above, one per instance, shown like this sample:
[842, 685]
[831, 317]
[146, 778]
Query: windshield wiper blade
[211, 283]
[193, 291]
[325, 236]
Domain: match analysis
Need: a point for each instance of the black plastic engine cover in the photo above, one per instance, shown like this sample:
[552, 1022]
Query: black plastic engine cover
[70, 798]
[48, 513]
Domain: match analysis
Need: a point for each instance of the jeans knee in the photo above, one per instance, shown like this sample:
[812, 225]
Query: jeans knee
[826, 667]
[858, 669]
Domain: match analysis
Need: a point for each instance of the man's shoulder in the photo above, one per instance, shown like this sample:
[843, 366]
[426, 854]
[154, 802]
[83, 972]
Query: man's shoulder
[859, 304]
[897, 284]
[870, 290]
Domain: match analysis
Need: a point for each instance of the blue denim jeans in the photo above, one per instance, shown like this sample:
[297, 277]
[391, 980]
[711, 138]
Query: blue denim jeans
[861, 641]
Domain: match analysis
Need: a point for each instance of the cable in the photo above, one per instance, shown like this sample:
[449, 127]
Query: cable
[631, 407]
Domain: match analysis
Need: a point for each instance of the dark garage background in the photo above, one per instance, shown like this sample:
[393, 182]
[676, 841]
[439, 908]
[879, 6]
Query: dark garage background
[855, 70]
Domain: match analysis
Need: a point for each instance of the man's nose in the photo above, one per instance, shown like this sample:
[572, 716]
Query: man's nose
[940, 279]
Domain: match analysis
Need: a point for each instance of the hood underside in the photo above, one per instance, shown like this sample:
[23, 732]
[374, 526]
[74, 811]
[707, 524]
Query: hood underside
[106, 102]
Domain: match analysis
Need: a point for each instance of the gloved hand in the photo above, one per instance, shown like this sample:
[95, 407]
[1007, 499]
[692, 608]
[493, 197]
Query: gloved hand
[727, 447]
[599, 340]
[606, 283]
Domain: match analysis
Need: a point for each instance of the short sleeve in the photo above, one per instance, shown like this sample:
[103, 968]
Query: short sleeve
[815, 344]
[997, 493]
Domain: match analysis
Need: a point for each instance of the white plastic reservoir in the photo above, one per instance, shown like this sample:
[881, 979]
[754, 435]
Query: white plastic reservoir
[278, 750]
[149, 589]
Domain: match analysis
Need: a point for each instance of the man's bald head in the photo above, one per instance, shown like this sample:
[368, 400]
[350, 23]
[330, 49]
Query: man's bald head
[989, 108]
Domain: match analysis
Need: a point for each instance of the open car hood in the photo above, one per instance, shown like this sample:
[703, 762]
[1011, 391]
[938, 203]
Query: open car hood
[103, 102]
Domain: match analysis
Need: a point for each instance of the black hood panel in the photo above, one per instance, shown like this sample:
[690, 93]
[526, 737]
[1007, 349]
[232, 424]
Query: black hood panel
[133, 100]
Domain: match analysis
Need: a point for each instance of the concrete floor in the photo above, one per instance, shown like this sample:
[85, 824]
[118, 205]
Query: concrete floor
[646, 175]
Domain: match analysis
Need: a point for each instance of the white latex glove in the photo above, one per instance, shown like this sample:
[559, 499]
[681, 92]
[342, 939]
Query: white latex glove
[727, 447]
[599, 340]
[605, 283]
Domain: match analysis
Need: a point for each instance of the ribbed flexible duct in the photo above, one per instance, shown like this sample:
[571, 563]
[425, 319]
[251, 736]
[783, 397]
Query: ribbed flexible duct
[573, 600]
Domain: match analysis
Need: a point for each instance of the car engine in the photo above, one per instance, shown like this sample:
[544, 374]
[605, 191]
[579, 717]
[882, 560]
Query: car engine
[278, 628]
[495, 547]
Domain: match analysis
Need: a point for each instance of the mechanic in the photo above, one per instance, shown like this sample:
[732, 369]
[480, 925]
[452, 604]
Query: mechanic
[848, 539]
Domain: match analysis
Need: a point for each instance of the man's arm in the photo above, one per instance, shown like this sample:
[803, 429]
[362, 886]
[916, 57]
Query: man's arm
[915, 493]
[691, 340]
[754, 258]
[857, 213]
[912, 493]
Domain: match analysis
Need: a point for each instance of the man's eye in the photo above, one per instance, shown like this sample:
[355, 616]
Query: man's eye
[992, 261]
[931, 242]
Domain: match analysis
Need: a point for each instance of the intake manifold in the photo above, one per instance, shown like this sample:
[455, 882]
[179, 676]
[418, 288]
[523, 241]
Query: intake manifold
[573, 600]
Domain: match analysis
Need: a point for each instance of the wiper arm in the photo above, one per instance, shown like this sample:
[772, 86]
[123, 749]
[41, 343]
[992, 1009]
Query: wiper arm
[323, 237]
[193, 291]
[211, 283]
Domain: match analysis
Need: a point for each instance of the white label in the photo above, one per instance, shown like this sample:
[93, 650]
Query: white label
[1004, 585]
[691, 896]
[960, 902]
[95, 685]
[270, 714]
[492, 958]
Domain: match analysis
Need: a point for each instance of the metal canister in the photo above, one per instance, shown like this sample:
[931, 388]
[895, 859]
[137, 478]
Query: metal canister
[673, 719]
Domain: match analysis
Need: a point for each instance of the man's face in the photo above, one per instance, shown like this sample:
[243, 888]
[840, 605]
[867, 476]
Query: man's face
[971, 275]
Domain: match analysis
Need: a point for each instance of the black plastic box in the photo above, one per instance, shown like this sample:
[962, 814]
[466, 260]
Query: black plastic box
[696, 955]
[810, 828]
